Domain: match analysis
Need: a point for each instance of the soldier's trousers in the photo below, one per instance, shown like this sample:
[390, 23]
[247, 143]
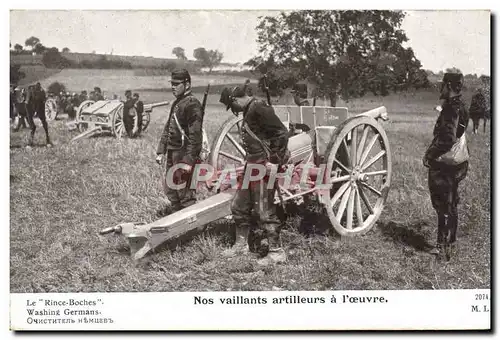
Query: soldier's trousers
[443, 187]
[179, 198]
[254, 208]
[41, 115]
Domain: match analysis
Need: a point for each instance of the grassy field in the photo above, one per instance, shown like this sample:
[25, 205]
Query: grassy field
[61, 197]
[118, 81]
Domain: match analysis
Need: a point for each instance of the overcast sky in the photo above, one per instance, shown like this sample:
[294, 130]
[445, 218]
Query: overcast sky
[440, 39]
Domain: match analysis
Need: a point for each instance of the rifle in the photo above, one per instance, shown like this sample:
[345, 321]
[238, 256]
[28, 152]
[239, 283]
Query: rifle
[205, 96]
[266, 89]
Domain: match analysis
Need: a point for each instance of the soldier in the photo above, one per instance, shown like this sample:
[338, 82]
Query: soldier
[477, 109]
[181, 141]
[36, 105]
[130, 120]
[21, 107]
[265, 140]
[98, 94]
[12, 103]
[445, 178]
[139, 108]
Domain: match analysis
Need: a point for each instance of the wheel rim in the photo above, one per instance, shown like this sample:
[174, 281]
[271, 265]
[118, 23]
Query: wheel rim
[227, 150]
[82, 125]
[118, 126]
[50, 109]
[361, 174]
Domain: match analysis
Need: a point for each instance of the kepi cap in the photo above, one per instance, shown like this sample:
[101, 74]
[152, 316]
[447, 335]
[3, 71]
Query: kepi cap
[181, 75]
[454, 78]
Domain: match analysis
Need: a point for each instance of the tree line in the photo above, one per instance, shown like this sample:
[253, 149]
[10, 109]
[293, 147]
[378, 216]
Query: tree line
[52, 57]
[345, 54]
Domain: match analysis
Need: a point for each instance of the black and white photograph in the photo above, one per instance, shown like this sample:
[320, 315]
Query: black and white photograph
[223, 153]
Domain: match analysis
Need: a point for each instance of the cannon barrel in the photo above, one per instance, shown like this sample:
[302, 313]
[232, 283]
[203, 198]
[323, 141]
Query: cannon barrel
[150, 107]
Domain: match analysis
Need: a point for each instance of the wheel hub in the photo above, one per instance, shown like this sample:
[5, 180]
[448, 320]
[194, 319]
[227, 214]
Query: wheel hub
[358, 175]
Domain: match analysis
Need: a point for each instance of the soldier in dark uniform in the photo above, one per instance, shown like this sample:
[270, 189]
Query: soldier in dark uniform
[477, 109]
[139, 109]
[265, 140]
[21, 107]
[130, 120]
[36, 103]
[181, 141]
[444, 178]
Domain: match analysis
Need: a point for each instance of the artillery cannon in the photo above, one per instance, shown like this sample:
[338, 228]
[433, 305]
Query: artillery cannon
[107, 115]
[349, 156]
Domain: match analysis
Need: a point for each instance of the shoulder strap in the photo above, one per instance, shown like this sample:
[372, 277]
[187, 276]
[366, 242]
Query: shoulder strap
[251, 133]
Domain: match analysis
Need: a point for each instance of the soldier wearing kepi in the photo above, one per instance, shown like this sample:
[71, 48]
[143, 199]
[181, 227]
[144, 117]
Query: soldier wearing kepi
[181, 141]
[265, 141]
[445, 171]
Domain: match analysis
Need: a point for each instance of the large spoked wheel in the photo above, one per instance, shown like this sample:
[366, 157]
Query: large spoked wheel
[227, 150]
[51, 109]
[359, 163]
[117, 124]
[81, 123]
[146, 118]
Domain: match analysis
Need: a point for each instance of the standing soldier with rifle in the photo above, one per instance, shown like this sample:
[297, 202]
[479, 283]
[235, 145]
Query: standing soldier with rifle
[181, 141]
[265, 140]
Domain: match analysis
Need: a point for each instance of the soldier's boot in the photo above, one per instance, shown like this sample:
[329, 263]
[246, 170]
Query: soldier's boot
[441, 232]
[30, 140]
[240, 247]
[49, 142]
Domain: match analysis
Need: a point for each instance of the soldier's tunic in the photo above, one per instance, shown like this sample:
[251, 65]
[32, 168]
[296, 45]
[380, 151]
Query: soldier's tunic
[444, 179]
[129, 113]
[177, 148]
[261, 120]
[139, 108]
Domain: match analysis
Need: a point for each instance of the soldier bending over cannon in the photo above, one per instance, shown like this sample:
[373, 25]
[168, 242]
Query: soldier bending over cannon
[265, 140]
[446, 173]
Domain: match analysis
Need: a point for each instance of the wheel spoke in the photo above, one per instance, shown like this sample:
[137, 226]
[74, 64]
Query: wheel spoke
[372, 189]
[350, 209]
[354, 140]
[343, 203]
[368, 149]
[339, 193]
[376, 173]
[362, 143]
[359, 211]
[344, 144]
[339, 179]
[236, 144]
[341, 165]
[233, 157]
[365, 200]
[373, 160]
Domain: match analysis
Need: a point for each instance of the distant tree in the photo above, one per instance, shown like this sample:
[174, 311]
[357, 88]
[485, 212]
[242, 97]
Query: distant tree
[65, 50]
[180, 53]
[209, 58]
[56, 88]
[32, 42]
[18, 48]
[39, 49]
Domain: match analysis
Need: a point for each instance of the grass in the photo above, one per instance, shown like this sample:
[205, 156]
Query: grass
[118, 81]
[62, 197]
